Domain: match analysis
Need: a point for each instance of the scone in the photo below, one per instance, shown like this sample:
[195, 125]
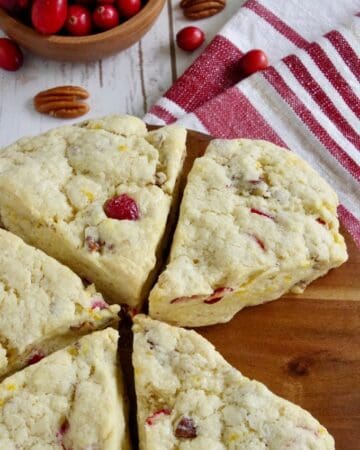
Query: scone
[43, 305]
[95, 196]
[256, 221]
[73, 399]
[190, 398]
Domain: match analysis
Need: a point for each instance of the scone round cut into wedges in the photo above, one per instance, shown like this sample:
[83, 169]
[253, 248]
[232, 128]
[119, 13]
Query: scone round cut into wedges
[43, 305]
[190, 398]
[54, 189]
[256, 221]
[72, 399]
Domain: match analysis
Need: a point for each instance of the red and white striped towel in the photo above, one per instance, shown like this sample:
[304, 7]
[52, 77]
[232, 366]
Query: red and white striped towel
[308, 101]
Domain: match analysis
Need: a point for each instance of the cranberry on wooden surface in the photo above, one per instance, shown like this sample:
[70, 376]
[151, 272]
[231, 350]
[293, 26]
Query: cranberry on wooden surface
[190, 38]
[121, 207]
[78, 21]
[253, 61]
[106, 17]
[128, 8]
[48, 16]
[11, 57]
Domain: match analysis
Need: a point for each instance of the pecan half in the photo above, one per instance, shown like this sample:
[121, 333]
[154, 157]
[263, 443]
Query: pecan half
[65, 102]
[201, 9]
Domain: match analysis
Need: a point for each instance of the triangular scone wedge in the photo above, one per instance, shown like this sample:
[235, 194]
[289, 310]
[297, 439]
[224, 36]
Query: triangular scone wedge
[72, 399]
[43, 305]
[190, 398]
[256, 221]
[53, 189]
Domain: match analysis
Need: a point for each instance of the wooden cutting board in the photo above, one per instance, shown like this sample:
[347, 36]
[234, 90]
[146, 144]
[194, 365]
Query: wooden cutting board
[305, 348]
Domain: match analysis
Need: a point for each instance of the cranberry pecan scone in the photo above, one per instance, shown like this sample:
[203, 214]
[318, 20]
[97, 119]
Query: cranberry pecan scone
[72, 399]
[43, 305]
[190, 398]
[96, 196]
[256, 221]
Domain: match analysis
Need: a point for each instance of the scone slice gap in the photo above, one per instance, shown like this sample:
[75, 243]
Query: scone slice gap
[189, 397]
[44, 306]
[72, 399]
[64, 179]
[256, 221]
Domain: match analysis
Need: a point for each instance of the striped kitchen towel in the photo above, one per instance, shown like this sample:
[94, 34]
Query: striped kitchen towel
[308, 100]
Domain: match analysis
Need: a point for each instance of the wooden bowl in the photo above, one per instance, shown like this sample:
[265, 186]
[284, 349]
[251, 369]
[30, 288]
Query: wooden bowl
[85, 48]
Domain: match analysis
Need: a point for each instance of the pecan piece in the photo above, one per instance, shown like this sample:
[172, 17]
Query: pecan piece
[64, 102]
[201, 9]
[83, 327]
[93, 245]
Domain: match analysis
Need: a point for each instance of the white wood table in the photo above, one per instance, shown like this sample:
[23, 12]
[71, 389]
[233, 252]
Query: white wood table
[129, 82]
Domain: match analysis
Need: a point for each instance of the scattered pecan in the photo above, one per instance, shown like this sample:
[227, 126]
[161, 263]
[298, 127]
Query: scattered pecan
[201, 9]
[186, 428]
[321, 221]
[93, 245]
[65, 102]
[83, 327]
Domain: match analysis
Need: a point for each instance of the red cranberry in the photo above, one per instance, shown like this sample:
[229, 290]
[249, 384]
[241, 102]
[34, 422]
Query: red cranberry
[128, 8]
[48, 16]
[78, 22]
[11, 57]
[261, 213]
[105, 2]
[106, 17]
[253, 61]
[15, 6]
[152, 419]
[88, 3]
[190, 38]
[122, 207]
[35, 358]
[186, 428]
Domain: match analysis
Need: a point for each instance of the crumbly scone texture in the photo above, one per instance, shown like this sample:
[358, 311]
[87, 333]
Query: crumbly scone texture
[43, 305]
[256, 221]
[53, 188]
[190, 398]
[73, 399]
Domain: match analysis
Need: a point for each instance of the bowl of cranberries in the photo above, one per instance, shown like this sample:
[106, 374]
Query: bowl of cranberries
[77, 30]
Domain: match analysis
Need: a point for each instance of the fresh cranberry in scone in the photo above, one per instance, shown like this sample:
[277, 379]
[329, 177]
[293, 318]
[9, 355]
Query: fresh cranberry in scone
[122, 207]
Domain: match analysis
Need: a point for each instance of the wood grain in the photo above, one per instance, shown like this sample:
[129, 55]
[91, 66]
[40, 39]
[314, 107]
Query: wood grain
[307, 351]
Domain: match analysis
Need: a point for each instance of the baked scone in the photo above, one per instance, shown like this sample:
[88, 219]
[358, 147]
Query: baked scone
[95, 196]
[256, 221]
[72, 399]
[43, 305]
[190, 398]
